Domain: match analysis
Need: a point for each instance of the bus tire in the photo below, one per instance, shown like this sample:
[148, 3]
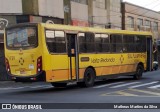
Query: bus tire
[59, 84]
[139, 72]
[89, 78]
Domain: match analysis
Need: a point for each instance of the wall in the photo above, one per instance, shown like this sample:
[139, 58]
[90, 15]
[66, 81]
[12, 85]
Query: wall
[80, 18]
[11, 6]
[6, 21]
[52, 8]
[114, 13]
[99, 16]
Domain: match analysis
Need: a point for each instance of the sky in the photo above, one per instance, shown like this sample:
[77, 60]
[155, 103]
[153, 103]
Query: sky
[150, 4]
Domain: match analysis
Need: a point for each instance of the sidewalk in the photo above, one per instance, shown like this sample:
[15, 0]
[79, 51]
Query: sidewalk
[7, 84]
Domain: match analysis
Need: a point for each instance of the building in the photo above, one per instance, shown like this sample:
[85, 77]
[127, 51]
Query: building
[94, 13]
[140, 19]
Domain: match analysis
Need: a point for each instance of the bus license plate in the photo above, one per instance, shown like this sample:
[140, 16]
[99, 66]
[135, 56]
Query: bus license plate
[22, 72]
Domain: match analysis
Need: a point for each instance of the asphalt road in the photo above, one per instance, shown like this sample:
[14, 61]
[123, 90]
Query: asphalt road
[121, 90]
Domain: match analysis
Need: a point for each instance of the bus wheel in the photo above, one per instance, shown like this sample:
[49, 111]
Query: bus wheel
[139, 72]
[89, 77]
[59, 84]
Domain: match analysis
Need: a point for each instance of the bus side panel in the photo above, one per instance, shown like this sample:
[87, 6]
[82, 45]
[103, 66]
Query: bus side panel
[57, 68]
[108, 64]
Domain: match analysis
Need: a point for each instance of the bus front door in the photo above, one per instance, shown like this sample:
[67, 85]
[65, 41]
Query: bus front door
[73, 57]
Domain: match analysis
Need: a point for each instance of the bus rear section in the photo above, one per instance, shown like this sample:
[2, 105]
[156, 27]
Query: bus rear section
[22, 55]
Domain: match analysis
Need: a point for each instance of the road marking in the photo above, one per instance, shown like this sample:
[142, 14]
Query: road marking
[41, 86]
[19, 87]
[132, 93]
[122, 85]
[48, 86]
[144, 84]
[119, 93]
[32, 87]
[107, 85]
[9, 88]
[154, 87]
[147, 92]
[5, 88]
[125, 93]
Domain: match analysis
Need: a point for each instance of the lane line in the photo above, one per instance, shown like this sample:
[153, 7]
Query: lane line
[11, 88]
[122, 85]
[32, 87]
[154, 87]
[107, 85]
[120, 93]
[144, 84]
[41, 86]
[48, 86]
[146, 92]
[125, 93]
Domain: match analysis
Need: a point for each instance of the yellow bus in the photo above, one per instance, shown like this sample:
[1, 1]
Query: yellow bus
[59, 54]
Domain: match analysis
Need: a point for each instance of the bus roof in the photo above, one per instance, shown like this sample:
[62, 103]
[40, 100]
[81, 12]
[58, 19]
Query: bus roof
[91, 29]
[82, 29]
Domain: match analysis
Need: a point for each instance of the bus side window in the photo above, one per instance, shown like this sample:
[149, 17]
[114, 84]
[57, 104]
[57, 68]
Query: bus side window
[60, 43]
[55, 41]
[105, 43]
[128, 43]
[86, 43]
[90, 45]
[82, 44]
[116, 43]
[98, 42]
[140, 42]
[50, 35]
[102, 43]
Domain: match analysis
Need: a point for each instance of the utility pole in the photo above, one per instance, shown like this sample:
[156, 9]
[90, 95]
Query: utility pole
[90, 13]
[108, 6]
[67, 12]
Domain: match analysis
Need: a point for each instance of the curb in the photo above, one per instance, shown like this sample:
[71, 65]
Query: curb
[8, 84]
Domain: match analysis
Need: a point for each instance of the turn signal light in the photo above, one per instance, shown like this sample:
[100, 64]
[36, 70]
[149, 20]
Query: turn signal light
[7, 65]
[39, 64]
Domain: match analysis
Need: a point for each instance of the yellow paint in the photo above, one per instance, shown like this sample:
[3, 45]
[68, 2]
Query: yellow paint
[139, 93]
[125, 93]
[146, 92]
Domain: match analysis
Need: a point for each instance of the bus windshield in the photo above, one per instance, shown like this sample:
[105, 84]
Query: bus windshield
[22, 37]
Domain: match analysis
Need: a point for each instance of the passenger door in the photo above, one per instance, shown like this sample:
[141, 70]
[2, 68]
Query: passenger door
[73, 56]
